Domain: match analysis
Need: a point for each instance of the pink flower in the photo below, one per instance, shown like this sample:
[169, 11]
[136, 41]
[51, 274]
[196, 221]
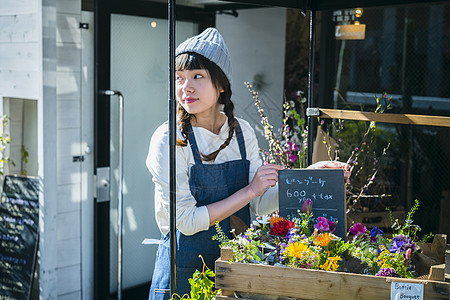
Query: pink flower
[358, 229]
[324, 225]
[408, 254]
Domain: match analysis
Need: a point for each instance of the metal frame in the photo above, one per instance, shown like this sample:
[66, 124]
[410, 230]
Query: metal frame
[312, 6]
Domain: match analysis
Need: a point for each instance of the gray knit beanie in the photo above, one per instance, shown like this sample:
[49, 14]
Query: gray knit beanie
[211, 45]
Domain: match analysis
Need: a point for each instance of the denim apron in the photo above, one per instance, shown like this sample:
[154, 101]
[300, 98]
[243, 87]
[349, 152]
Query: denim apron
[208, 183]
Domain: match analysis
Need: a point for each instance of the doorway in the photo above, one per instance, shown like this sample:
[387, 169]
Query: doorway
[131, 57]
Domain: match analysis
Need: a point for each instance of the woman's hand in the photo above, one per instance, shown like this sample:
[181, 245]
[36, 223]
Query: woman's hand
[328, 164]
[265, 176]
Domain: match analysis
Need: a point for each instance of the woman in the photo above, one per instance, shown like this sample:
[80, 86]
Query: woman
[219, 173]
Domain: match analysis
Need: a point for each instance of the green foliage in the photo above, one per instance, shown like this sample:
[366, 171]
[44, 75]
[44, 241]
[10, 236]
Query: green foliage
[408, 228]
[244, 250]
[202, 287]
[24, 155]
[221, 236]
[306, 225]
[4, 141]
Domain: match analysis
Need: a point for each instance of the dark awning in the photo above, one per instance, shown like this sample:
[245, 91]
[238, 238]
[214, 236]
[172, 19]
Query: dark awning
[323, 4]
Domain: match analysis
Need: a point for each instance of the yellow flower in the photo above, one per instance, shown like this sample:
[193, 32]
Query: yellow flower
[323, 239]
[297, 249]
[331, 264]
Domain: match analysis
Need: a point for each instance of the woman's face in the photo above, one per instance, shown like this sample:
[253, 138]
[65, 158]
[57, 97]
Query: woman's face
[196, 92]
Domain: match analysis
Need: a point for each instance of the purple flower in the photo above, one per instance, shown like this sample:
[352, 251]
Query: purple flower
[407, 242]
[307, 206]
[374, 234]
[387, 272]
[324, 225]
[293, 157]
[290, 234]
[396, 246]
[358, 229]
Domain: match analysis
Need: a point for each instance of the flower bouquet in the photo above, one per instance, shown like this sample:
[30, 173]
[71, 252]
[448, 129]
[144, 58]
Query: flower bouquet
[298, 247]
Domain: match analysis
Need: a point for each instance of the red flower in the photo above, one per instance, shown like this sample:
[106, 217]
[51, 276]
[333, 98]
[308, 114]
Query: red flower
[281, 228]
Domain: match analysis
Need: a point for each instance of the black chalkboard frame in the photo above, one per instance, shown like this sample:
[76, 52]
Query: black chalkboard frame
[326, 189]
[20, 192]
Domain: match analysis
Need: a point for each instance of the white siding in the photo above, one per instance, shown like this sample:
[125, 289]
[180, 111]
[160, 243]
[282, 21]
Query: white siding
[47, 151]
[68, 107]
[40, 59]
[20, 49]
[87, 145]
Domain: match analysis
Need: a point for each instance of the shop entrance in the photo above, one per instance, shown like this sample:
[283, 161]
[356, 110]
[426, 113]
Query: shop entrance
[132, 58]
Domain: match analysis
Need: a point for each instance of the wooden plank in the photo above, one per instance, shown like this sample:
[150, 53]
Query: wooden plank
[385, 117]
[315, 284]
[14, 7]
[69, 226]
[19, 84]
[19, 28]
[69, 253]
[69, 280]
[68, 172]
[437, 272]
[19, 56]
[70, 198]
[447, 262]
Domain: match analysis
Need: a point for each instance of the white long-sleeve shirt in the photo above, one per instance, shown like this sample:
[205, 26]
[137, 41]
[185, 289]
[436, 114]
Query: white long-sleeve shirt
[192, 219]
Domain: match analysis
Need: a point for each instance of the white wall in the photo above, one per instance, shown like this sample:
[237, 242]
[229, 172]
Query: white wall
[20, 49]
[40, 59]
[47, 150]
[69, 144]
[256, 41]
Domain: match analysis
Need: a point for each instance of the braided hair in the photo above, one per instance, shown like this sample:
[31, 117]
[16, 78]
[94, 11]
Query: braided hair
[192, 61]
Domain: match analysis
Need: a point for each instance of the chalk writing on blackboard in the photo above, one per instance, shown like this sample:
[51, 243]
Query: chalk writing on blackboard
[19, 217]
[325, 188]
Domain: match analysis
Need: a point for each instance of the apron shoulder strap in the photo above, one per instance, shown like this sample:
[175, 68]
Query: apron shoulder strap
[193, 144]
[239, 137]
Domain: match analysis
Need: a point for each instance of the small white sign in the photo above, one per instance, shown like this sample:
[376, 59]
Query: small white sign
[406, 291]
[350, 32]
[147, 241]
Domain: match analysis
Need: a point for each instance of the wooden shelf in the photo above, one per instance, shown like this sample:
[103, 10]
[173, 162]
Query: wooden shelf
[385, 118]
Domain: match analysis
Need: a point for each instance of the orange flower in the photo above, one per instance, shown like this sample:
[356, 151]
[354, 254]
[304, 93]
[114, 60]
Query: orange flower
[323, 239]
[275, 219]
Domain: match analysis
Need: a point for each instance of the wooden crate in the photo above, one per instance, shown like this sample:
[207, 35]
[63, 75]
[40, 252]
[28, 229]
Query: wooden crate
[253, 281]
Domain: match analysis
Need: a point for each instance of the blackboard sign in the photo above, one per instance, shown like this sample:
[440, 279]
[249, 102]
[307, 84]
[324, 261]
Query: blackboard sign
[325, 188]
[19, 217]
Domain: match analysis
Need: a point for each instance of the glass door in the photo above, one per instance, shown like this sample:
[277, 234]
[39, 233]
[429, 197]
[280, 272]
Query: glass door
[139, 70]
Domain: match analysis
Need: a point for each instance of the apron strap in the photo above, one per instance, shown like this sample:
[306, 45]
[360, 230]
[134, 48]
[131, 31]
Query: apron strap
[240, 139]
[193, 144]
